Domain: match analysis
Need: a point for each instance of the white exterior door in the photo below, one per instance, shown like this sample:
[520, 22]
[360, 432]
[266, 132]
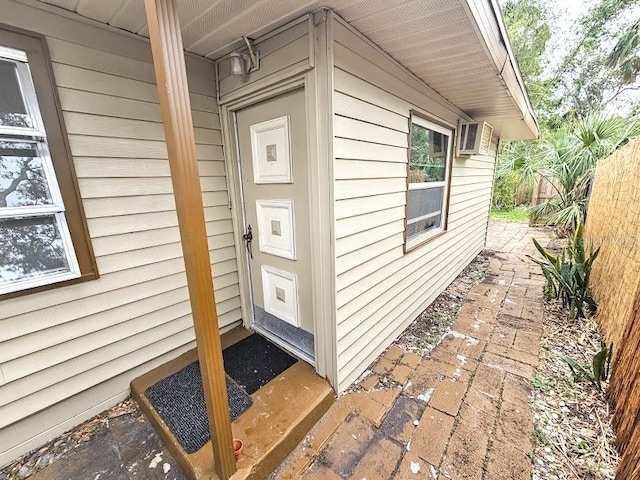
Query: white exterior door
[272, 142]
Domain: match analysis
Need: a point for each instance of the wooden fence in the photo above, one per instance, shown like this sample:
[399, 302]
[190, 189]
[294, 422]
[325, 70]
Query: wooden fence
[543, 190]
[613, 221]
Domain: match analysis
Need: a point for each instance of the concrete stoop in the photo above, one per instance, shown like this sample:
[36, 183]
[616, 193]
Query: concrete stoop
[283, 412]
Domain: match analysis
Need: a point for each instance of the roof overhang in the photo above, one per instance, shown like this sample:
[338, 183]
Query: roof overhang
[459, 48]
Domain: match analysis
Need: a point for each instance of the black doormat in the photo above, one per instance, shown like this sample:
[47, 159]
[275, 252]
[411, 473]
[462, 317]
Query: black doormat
[255, 361]
[179, 400]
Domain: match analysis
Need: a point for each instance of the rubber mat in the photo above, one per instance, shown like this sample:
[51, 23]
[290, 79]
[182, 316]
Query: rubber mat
[179, 400]
[255, 361]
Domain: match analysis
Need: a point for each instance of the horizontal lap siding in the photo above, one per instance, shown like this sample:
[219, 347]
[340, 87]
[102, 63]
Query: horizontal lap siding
[380, 290]
[67, 353]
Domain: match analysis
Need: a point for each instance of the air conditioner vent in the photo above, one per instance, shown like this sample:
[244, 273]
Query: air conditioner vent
[474, 138]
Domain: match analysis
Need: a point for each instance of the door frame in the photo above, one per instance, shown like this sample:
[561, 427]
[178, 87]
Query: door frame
[319, 116]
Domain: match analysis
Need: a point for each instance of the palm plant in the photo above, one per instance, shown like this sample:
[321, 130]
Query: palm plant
[567, 160]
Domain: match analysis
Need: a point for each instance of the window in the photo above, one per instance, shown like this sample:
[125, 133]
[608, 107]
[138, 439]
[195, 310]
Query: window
[428, 182]
[43, 235]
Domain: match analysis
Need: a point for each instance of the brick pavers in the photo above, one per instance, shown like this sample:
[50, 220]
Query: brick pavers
[463, 412]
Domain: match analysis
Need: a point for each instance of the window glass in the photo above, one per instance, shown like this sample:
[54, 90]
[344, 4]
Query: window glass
[428, 177]
[471, 137]
[13, 110]
[428, 155]
[23, 180]
[31, 247]
[35, 241]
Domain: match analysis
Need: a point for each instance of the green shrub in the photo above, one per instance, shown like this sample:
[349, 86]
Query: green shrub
[504, 192]
[568, 274]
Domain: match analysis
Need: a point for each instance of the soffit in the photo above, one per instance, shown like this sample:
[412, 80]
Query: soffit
[442, 42]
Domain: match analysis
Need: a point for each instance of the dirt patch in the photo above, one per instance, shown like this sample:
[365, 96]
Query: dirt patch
[573, 435]
[426, 331]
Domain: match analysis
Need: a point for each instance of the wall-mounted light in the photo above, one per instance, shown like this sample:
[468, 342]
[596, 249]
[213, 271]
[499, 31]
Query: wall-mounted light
[243, 63]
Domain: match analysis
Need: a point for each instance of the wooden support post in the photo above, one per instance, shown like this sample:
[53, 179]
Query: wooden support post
[171, 77]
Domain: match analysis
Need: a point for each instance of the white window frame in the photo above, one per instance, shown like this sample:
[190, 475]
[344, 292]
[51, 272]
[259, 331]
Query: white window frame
[37, 136]
[418, 239]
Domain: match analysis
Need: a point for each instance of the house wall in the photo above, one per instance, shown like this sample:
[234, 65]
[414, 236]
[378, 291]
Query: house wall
[379, 288]
[68, 353]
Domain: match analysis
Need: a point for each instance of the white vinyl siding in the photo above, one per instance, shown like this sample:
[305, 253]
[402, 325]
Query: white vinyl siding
[379, 288]
[68, 353]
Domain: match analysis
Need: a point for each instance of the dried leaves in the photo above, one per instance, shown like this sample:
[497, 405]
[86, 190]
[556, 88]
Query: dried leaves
[573, 435]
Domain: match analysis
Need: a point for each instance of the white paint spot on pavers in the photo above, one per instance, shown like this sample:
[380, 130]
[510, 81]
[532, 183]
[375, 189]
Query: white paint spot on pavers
[166, 467]
[434, 472]
[156, 460]
[491, 365]
[416, 423]
[462, 359]
[408, 447]
[426, 396]
[415, 467]
[455, 334]
[407, 385]
[470, 340]
[457, 373]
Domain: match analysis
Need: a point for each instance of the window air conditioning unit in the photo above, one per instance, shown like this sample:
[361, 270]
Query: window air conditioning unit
[474, 138]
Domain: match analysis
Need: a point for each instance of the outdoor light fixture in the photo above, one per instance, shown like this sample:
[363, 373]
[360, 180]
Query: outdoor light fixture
[242, 63]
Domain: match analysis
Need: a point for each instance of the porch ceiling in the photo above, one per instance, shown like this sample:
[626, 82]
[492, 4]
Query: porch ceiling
[458, 47]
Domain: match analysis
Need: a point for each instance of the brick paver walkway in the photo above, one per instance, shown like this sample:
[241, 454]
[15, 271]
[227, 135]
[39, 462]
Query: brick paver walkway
[464, 411]
[514, 237]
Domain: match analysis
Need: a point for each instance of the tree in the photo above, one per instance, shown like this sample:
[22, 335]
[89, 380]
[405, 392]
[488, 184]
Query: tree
[527, 24]
[574, 134]
[626, 54]
[584, 78]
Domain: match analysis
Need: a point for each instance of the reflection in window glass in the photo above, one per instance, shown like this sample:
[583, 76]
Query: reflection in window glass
[471, 138]
[22, 178]
[30, 247]
[428, 163]
[13, 111]
[428, 155]
[35, 241]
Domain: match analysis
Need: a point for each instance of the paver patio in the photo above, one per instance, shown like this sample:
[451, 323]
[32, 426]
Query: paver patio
[463, 412]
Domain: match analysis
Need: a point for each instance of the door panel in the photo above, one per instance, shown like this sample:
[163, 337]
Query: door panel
[272, 140]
